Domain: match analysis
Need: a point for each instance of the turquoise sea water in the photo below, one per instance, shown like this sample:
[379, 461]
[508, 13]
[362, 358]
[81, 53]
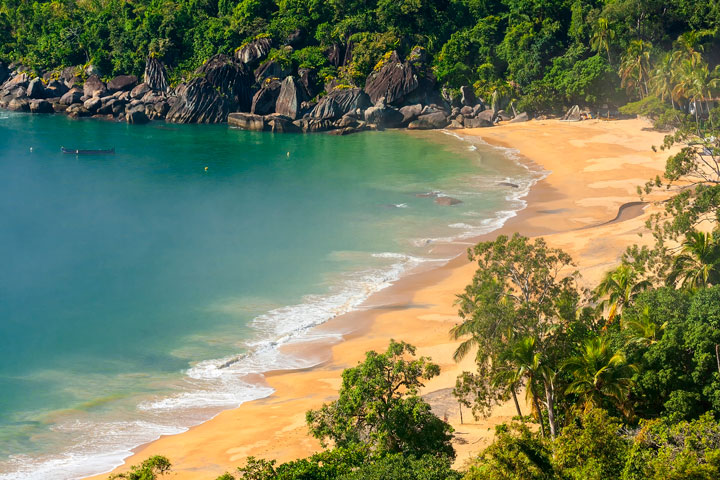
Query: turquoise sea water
[138, 290]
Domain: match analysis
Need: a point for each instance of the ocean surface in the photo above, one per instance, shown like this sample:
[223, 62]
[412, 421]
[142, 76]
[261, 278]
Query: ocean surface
[142, 293]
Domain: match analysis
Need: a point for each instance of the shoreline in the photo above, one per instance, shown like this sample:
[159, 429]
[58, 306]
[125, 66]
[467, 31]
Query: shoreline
[218, 445]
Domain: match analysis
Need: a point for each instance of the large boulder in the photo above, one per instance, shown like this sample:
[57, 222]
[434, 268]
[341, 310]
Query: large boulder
[573, 115]
[93, 104]
[290, 99]
[340, 102]
[467, 96]
[264, 100]
[198, 102]
[394, 80]
[410, 113]
[231, 78]
[520, 117]
[94, 87]
[308, 79]
[136, 116]
[281, 124]
[19, 105]
[36, 89]
[429, 121]
[310, 125]
[487, 116]
[56, 88]
[251, 54]
[122, 83]
[41, 106]
[271, 70]
[140, 90]
[247, 121]
[155, 75]
[383, 116]
[19, 80]
[477, 122]
[72, 96]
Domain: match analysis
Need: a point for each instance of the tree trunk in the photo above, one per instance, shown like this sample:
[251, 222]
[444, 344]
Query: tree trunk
[540, 417]
[550, 403]
[717, 356]
[517, 405]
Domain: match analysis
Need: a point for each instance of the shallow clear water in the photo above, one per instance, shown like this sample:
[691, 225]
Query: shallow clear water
[132, 285]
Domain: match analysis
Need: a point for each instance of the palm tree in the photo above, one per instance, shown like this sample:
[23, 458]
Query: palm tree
[698, 264]
[643, 331]
[600, 375]
[635, 66]
[619, 288]
[662, 81]
[602, 36]
[688, 47]
[523, 366]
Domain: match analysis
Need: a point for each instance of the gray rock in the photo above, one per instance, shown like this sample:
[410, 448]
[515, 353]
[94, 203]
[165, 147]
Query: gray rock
[118, 107]
[308, 79]
[19, 80]
[520, 117]
[309, 125]
[254, 52]
[247, 121]
[393, 81]
[573, 115]
[271, 69]
[93, 104]
[19, 105]
[161, 109]
[477, 122]
[94, 87]
[264, 100]
[281, 124]
[140, 91]
[503, 116]
[410, 113]
[383, 116]
[429, 121]
[233, 80]
[56, 88]
[36, 89]
[467, 111]
[480, 107]
[447, 201]
[72, 96]
[155, 75]
[339, 102]
[136, 116]
[290, 99]
[198, 102]
[41, 106]
[122, 83]
[76, 110]
[487, 116]
[455, 124]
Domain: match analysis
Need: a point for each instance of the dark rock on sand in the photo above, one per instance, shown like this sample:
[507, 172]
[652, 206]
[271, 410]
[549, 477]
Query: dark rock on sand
[572, 115]
[254, 52]
[429, 121]
[508, 184]
[156, 76]
[198, 102]
[122, 83]
[477, 122]
[520, 117]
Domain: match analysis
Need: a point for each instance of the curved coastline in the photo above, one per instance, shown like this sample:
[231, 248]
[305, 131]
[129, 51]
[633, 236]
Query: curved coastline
[393, 312]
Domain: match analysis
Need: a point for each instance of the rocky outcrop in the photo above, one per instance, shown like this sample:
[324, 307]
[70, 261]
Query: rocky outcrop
[263, 103]
[19, 105]
[290, 99]
[520, 117]
[56, 88]
[410, 113]
[340, 102]
[247, 121]
[94, 87]
[429, 121]
[281, 124]
[251, 54]
[394, 81]
[36, 89]
[308, 79]
[572, 115]
[198, 102]
[467, 96]
[140, 90]
[72, 96]
[136, 116]
[40, 106]
[231, 78]
[383, 116]
[122, 83]
[310, 125]
[156, 76]
[271, 70]
[477, 122]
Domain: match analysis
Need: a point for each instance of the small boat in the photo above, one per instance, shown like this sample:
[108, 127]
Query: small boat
[75, 151]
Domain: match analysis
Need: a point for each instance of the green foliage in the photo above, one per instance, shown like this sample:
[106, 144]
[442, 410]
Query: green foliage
[378, 406]
[149, 469]
[516, 454]
[403, 467]
[672, 451]
[591, 448]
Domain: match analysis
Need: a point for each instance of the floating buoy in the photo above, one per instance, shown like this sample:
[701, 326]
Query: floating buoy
[206, 169]
[31, 150]
[288, 154]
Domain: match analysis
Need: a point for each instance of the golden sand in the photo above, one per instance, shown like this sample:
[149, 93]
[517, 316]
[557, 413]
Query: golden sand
[596, 167]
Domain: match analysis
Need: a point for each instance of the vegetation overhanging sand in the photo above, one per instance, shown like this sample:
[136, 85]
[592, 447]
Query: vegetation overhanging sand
[596, 167]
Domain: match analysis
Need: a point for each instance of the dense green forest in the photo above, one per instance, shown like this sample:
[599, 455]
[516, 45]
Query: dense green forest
[548, 53]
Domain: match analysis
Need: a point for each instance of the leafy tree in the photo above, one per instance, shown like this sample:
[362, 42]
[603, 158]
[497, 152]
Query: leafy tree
[634, 68]
[602, 36]
[378, 405]
[149, 469]
[592, 447]
[600, 375]
[698, 263]
[619, 288]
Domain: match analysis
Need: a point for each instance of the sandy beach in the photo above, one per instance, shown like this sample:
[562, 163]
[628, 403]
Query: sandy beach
[595, 168]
